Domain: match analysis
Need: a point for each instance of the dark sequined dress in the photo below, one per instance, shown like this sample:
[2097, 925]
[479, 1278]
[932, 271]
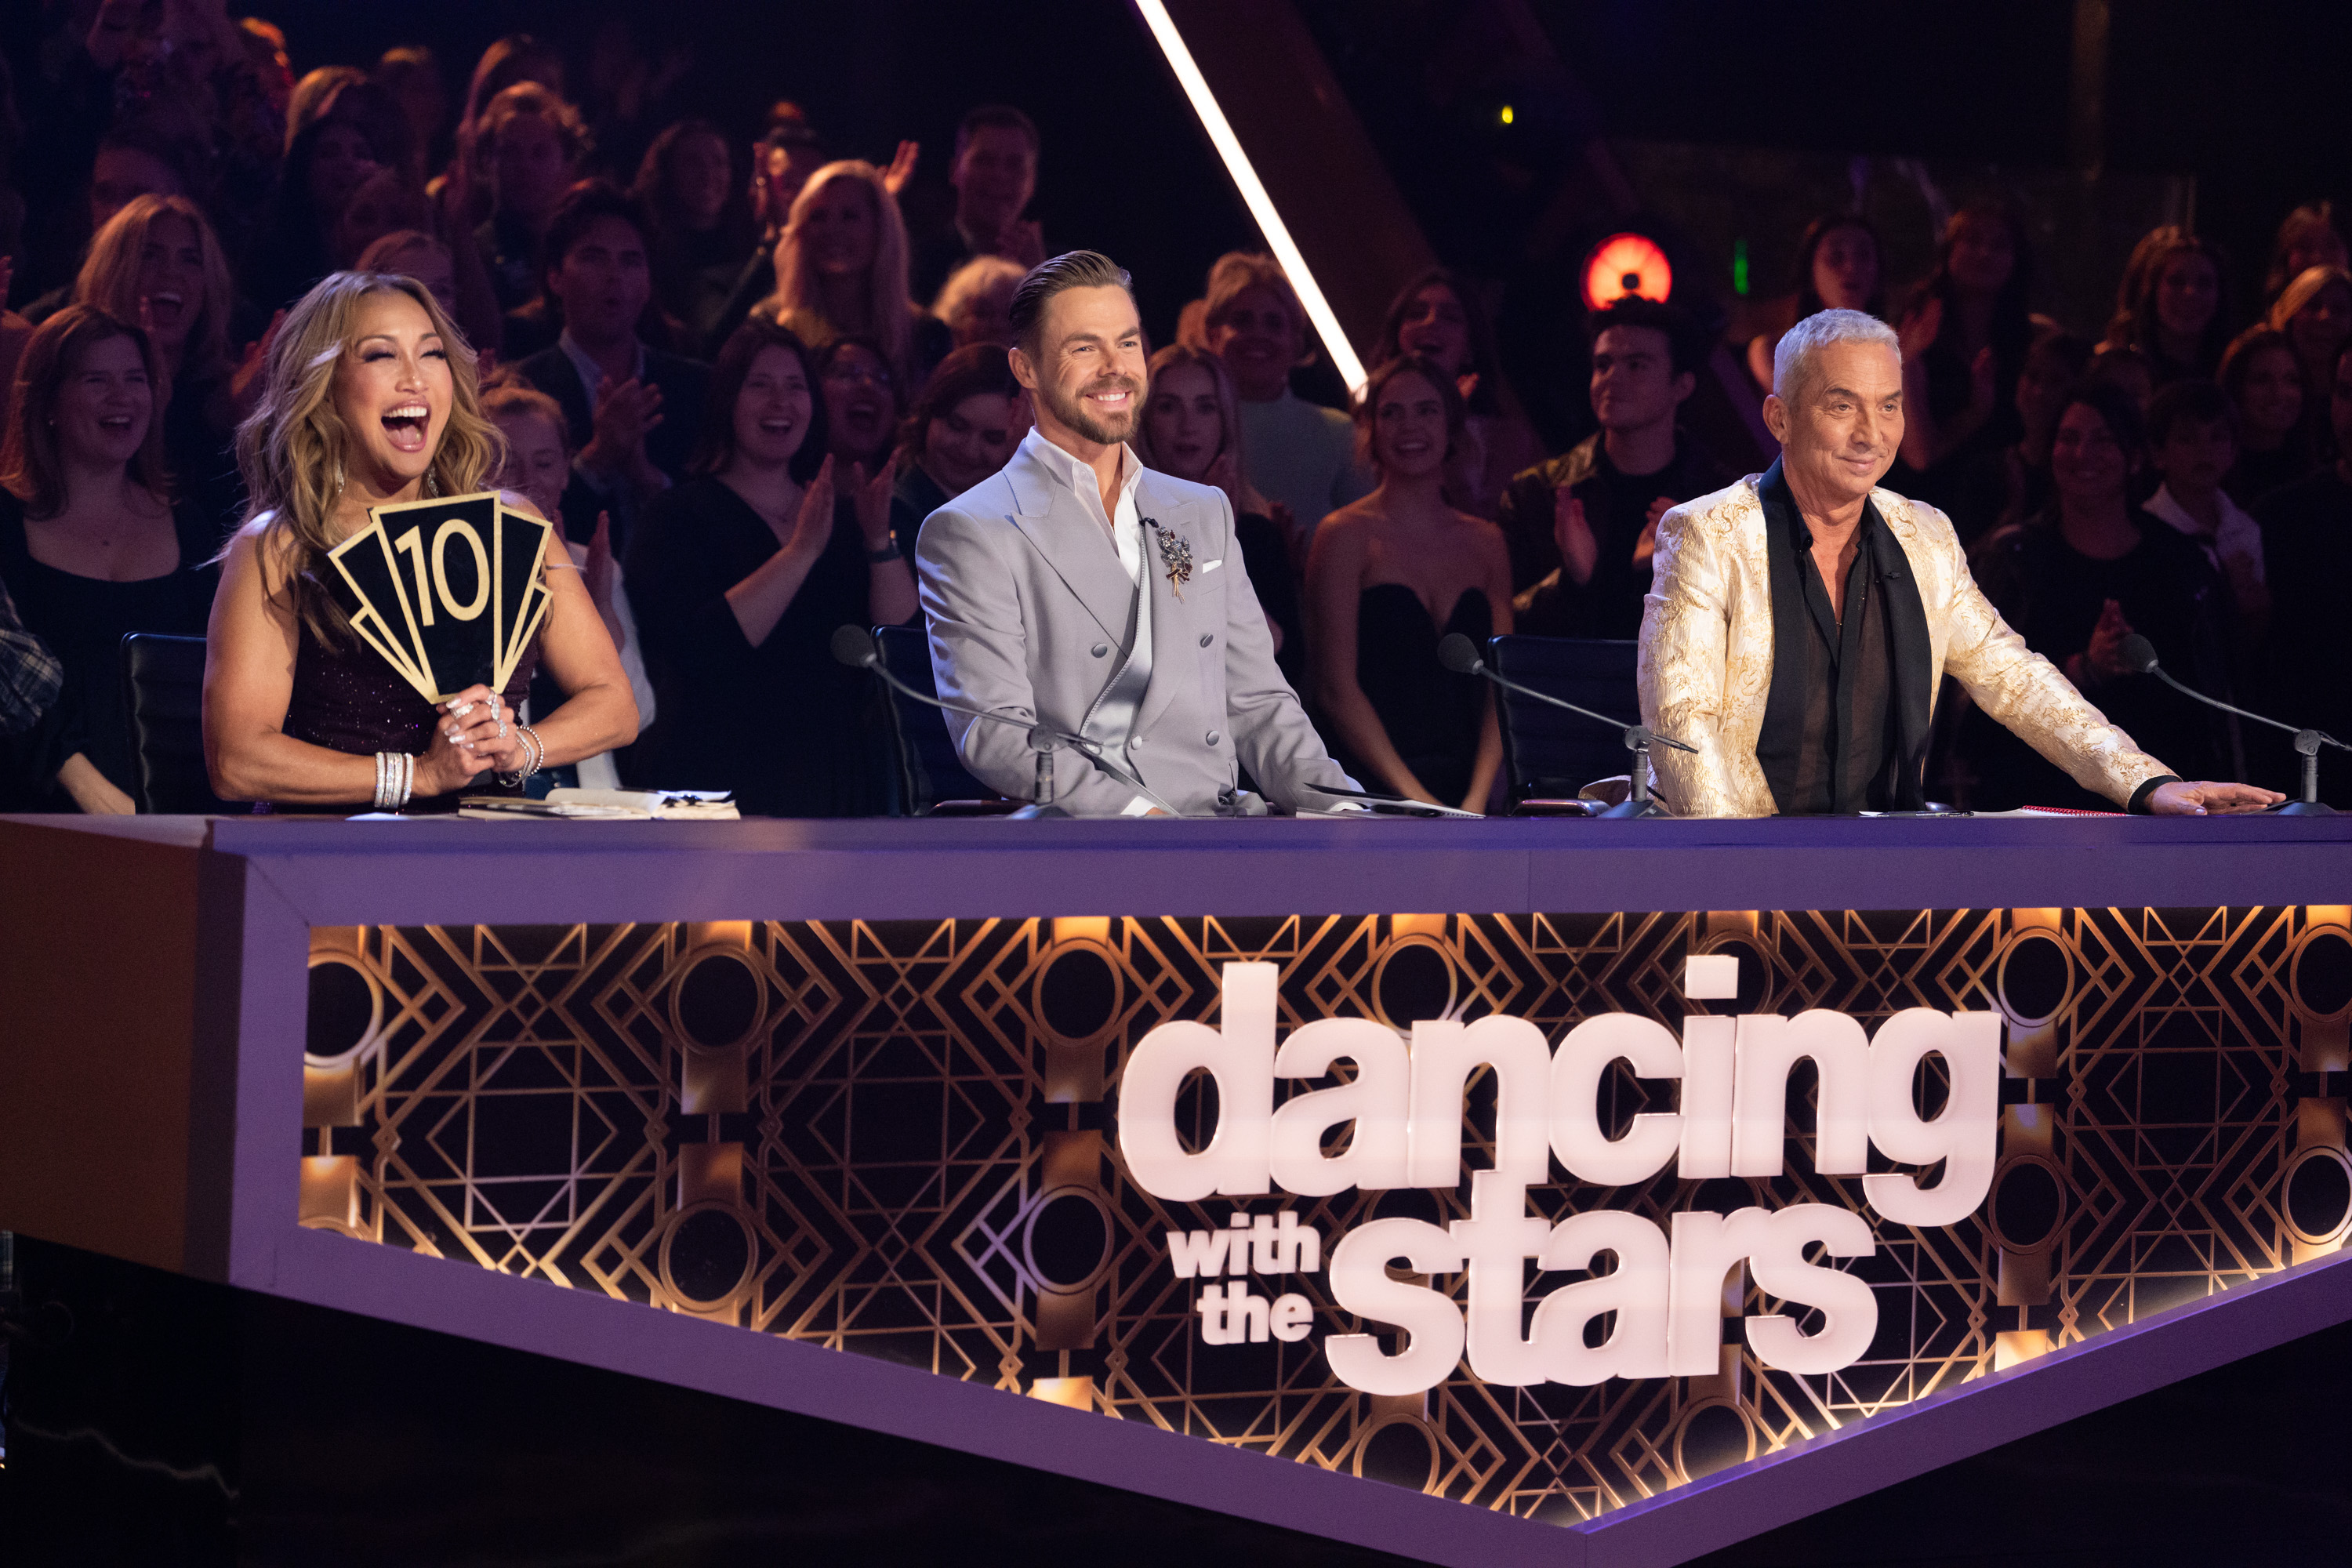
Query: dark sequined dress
[348, 700]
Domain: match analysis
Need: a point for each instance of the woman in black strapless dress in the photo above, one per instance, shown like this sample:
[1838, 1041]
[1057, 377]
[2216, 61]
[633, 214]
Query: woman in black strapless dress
[371, 401]
[1390, 577]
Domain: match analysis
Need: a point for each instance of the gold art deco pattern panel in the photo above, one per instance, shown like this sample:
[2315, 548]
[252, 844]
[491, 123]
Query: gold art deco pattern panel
[895, 1139]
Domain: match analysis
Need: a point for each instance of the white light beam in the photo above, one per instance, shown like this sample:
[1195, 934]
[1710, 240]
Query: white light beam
[1261, 206]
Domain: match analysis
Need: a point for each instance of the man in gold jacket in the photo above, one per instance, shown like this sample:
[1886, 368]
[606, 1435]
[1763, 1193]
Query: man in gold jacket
[1800, 622]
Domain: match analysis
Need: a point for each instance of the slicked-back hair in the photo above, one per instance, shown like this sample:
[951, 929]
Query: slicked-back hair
[1071, 269]
[1793, 360]
[1686, 342]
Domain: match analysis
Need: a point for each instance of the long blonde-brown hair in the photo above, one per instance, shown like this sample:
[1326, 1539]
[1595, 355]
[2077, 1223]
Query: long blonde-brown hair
[110, 280]
[1175, 356]
[293, 448]
[890, 315]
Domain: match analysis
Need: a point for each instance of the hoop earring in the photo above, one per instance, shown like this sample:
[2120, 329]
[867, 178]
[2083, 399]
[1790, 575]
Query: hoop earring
[433, 481]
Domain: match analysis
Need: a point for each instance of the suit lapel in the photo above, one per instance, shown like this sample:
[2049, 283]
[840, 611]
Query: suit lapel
[1784, 703]
[1172, 622]
[1907, 622]
[1072, 543]
[561, 381]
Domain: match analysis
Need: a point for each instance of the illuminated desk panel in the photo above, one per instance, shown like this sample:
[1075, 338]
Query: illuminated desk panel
[715, 1103]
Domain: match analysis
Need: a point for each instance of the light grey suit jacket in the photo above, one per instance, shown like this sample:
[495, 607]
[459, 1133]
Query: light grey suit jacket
[1027, 605]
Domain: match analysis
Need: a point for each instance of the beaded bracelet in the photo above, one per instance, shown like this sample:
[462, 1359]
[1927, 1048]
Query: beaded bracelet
[534, 754]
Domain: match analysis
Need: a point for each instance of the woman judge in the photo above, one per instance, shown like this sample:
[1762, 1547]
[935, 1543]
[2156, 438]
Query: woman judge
[372, 401]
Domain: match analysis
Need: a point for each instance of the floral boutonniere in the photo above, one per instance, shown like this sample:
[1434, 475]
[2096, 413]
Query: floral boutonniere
[1175, 554]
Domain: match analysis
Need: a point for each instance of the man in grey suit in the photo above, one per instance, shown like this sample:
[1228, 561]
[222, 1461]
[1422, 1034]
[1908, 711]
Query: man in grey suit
[1080, 590]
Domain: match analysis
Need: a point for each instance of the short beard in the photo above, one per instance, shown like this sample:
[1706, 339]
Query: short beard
[1074, 411]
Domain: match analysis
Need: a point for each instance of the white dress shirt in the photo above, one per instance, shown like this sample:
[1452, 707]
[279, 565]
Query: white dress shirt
[1126, 525]
[1112, 720]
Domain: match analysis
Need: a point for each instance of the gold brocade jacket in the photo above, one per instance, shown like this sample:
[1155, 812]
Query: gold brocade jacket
[1706, 663]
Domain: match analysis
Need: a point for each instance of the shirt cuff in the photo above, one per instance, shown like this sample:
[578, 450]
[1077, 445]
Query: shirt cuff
[1139, 807]
[2138, 805]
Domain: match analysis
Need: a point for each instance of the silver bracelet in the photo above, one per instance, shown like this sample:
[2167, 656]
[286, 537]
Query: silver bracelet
[534, 754]
[396, 780]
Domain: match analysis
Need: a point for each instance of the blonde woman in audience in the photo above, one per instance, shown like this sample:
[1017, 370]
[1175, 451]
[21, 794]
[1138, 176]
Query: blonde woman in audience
[977, 300]
[157, 263]
[1191, 429]
[841, 271]
[1301, 455]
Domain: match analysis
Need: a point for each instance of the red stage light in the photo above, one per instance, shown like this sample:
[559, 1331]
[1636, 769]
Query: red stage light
[1626, 264]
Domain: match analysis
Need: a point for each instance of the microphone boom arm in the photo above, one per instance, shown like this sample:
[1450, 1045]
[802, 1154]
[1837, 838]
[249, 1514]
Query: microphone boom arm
[859, 649]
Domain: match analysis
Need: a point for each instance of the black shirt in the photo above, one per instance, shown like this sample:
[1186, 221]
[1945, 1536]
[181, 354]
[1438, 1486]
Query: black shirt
[1840, 755]
[782, 724]
[84, 620]
[1616, 507]
[2052, 594]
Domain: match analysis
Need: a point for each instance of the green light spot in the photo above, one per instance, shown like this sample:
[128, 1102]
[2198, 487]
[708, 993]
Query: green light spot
[1740, 267]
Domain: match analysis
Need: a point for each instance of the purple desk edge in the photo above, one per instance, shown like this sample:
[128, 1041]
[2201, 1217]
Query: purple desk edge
[266, 881]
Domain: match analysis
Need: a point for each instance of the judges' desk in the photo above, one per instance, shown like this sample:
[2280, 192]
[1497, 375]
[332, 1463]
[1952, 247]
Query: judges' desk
[1838, 1150]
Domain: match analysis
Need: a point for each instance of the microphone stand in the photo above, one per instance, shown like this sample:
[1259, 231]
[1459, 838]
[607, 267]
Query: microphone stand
[1639, 738]
[2141, 654]
[853, 646]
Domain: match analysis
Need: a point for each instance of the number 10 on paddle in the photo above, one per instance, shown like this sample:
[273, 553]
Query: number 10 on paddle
[449, 592]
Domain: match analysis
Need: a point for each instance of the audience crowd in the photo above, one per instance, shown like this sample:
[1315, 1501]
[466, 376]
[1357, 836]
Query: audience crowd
[738, 375]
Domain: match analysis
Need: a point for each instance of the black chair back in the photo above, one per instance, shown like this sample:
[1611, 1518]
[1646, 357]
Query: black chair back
[163, 704]
[1549, 753]
[924, 768]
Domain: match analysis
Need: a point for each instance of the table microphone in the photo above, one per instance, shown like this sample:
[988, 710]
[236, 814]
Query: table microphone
[853, 646]
[1460, 654]
[2139, 655]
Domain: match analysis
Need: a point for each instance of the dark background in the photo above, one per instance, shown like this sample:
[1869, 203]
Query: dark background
[2249, 100]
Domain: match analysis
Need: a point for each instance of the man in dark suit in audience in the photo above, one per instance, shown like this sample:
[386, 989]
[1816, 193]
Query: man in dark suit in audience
[633, 411]
[1581, 526]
